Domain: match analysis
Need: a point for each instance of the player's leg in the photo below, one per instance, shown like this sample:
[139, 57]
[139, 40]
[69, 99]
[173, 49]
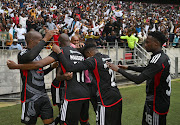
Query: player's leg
[84, 116]
[162, 119]
[55, 92]
[29, 114]
[100, 114]
[61, 94]
[152, 118]
[70, 112]
[147, 114]
[113, 114]
[93, 96]
[46, 111]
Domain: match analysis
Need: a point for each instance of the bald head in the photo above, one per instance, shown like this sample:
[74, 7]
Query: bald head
[64, 39]
[33, 38]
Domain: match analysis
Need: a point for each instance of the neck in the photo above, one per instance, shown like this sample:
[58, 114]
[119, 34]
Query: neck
[157, 50]
[65, 44]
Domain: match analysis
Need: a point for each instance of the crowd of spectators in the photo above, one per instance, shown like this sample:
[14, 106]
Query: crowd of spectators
[103, 21]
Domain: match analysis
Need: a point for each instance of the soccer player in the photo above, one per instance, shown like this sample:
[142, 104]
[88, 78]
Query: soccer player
[76, 91]
[109, 108]
[158, 85]
[35, 101]
[57, 90]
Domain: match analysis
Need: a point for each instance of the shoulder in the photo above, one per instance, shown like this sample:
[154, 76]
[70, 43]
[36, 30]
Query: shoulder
[23, 52]
[159, 58]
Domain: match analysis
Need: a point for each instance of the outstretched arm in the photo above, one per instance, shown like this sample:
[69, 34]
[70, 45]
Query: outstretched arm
[83, 65]
[48, 70]
[31, 65]
[149, 72]
[135, 78]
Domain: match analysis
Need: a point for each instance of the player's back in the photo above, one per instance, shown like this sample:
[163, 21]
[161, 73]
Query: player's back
[105, 78]
[76, 88]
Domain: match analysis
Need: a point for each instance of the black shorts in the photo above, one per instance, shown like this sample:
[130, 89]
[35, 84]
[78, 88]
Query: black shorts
[109, 115]
[152, 118]
[74, 111]
[31, 110]
[93, 96]
[57, 95]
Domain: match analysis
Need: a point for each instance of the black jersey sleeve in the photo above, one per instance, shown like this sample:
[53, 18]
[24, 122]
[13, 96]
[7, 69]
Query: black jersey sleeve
[135, 78]
[137, 69]
[54, 55]
[147, 73]
[151, 70]
[88, 64]
[29, 55]
[46, 71]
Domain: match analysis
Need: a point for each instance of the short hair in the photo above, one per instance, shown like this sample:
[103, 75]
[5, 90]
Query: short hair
[90, 41]
[159, 36]
[88, 47]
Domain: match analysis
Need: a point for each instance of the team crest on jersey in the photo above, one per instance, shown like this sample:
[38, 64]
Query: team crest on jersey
[27, 118]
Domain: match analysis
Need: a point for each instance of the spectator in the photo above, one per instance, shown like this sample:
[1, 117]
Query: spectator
[4, 37]
[131, 39]
[15, 45]
[20, 35]
[43, 30]
[22, 20]
[51, 25]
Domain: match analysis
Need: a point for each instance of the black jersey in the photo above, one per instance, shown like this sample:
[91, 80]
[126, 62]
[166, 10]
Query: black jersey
[76, 88]
[158, 86]
[107, 91]
[33, 86]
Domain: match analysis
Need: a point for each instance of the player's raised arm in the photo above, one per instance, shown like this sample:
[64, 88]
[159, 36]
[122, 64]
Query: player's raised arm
[35, 47]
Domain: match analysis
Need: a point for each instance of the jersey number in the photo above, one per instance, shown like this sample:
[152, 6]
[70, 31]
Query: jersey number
[111, 73]
[168, 80]
[148, 118]
[79, 75]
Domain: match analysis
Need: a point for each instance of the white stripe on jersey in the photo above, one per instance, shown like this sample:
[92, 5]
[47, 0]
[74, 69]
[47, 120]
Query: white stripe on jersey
[155, 58]
[102, 115]
[23, 52]
[57, 95]
[23, 111]
[159, 55]
[64, 110]
[155, 119]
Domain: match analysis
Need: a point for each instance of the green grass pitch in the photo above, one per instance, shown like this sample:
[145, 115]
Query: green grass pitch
[133, 103]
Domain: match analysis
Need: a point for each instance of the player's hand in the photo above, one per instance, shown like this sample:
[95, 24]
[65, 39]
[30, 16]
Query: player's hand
[55, 65]
[112, 66]
[68, 75]
[50, 34]
[123, 66]
[11, 64]
[56, 49]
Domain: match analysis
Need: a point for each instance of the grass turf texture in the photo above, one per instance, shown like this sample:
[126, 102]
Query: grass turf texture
[133, 103]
